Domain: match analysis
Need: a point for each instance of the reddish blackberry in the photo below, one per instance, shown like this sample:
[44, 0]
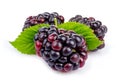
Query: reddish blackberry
[63, 51]
[47, 18]
[95, 25]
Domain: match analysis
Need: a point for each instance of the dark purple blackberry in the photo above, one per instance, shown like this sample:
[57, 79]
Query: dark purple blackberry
[95, 25]
[63, 51]
[47, 18]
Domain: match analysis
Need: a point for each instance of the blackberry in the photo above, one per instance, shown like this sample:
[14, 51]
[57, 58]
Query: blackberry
[47, 18]
[63, 51]
[95, 25]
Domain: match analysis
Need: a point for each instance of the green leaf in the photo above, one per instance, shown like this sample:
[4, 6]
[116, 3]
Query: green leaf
[25, 41]
[92, 41]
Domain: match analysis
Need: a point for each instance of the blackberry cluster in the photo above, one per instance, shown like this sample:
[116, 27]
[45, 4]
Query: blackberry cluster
[95, 25]
[62, 50]
[47, 18]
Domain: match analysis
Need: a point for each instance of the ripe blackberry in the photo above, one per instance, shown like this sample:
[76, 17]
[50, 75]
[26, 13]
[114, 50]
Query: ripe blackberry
[63, 51]
[47, 18]
[95, 25]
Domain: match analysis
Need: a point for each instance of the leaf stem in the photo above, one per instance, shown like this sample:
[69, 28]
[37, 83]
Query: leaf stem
[55, 20]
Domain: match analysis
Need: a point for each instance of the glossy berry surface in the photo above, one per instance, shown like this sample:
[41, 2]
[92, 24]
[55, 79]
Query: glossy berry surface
[63, 51]
[75, 58]
[56, 45]
[66, 51]
[46, 17]
[54, 55]
[96, 25]
[68, 67]
[38, 46]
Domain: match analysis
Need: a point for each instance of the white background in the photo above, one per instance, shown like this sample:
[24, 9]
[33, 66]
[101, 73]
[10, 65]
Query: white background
[101, 67]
